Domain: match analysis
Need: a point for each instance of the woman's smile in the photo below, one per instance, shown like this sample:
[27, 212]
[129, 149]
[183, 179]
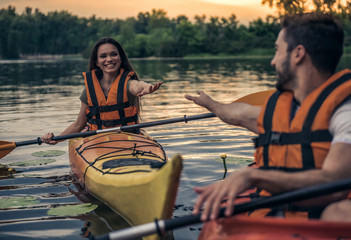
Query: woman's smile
[108, 60]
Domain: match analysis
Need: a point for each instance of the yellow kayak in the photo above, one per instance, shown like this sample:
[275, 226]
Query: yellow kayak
[129, 172]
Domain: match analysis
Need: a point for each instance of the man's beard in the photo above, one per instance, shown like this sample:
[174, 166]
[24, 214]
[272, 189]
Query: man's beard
[285, 76]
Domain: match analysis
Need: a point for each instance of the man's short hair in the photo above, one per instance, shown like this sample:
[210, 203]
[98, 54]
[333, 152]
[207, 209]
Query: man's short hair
[321, 35]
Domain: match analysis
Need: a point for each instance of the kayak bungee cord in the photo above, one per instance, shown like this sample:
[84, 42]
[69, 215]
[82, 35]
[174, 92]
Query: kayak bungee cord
[116, 155]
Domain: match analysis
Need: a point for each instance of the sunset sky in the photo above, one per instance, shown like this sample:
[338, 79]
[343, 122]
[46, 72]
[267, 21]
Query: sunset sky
[245, 10]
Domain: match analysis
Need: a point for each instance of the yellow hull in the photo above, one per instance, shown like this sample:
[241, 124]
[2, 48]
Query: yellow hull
[106, 165]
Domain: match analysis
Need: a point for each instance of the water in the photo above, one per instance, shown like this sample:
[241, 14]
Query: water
[41, 96]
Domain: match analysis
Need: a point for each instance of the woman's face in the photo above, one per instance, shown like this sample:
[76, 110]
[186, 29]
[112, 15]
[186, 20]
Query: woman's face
[108, 58]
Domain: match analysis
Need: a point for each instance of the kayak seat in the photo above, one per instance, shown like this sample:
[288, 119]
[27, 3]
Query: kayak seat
[131, 162]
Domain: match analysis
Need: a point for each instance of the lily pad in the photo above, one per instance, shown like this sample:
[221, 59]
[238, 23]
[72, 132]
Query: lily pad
[34, 162]
[48, 153]
[14, 202]
[72, 210]
[236, 160]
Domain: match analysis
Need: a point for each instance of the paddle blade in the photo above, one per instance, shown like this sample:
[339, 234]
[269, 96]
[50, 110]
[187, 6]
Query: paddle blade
[6, 148]
[257, 99]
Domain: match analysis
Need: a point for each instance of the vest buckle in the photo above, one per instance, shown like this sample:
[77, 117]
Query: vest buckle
[276, 138]
[102, 109]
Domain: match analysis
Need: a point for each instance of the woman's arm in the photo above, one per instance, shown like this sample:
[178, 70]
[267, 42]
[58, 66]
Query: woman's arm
[77, 126]
[141, 88]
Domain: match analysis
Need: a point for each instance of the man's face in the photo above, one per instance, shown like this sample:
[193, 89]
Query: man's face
[281, 63]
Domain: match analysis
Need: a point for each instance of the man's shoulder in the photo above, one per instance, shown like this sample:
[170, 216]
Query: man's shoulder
[340, 124]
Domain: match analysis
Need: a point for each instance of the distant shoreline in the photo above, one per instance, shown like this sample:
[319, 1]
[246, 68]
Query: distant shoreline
[255, 53]
[49, 56]
[248, 55]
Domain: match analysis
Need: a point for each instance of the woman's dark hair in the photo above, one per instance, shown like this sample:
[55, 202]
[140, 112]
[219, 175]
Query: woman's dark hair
[320, 34]
[125, 65]
[125, 62]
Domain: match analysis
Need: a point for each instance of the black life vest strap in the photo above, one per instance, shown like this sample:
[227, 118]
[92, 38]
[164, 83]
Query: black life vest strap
[284, 169]
[278, 138]
[267, 123]
[120, 96]
[279, 211]
[314, 212]
[307, 153]
[110, 108]
[93, 97]
[304, 138]
[116, 122]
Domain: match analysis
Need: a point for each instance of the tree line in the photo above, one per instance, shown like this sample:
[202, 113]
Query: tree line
[149, 34]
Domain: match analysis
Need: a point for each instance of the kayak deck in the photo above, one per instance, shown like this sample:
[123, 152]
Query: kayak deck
[129, 172]
[257, 228]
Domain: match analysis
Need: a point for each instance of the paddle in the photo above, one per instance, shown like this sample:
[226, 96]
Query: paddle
[162, 226]
[257, 99]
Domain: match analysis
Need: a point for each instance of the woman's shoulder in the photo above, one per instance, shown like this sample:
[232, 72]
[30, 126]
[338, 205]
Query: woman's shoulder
[83, 96]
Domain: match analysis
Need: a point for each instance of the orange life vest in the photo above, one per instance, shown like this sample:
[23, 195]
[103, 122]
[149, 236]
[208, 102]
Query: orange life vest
[114, 111]
[301, 142]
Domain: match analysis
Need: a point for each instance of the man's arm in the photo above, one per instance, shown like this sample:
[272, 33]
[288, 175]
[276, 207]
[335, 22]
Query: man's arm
[237, 114]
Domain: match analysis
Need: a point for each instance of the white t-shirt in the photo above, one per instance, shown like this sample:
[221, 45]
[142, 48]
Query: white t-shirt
[340, 123]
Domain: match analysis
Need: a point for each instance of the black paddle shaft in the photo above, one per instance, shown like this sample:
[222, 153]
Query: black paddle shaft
[168, 121]
[56, 138]
[283, 198]
[170, 224]
[122, 128]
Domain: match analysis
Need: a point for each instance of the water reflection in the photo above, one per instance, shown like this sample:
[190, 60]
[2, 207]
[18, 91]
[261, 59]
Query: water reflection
[41, 96]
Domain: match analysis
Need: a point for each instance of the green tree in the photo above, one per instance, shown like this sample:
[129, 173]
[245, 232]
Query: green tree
[231, 39]
[296, 6]
[142, 22]
[140, 46]
[186, 38]
[127, 32]
[159, 41]
[265, 32]
[6, 18]
[287, 6]
[214, 35]
[158, 19]
[151, 33]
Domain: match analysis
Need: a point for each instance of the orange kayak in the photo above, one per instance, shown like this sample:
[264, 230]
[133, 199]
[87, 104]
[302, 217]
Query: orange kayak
[270, 228]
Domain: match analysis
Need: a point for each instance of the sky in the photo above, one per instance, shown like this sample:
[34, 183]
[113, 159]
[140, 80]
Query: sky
[245, 10]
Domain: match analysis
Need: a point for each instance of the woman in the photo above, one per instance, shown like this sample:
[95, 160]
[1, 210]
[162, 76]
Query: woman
[112, 91]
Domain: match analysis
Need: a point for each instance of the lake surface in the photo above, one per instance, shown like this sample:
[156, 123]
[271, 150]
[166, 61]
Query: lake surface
[41, 96]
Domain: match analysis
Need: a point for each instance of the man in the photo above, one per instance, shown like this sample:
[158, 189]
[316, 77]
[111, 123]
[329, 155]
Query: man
[304, 129]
